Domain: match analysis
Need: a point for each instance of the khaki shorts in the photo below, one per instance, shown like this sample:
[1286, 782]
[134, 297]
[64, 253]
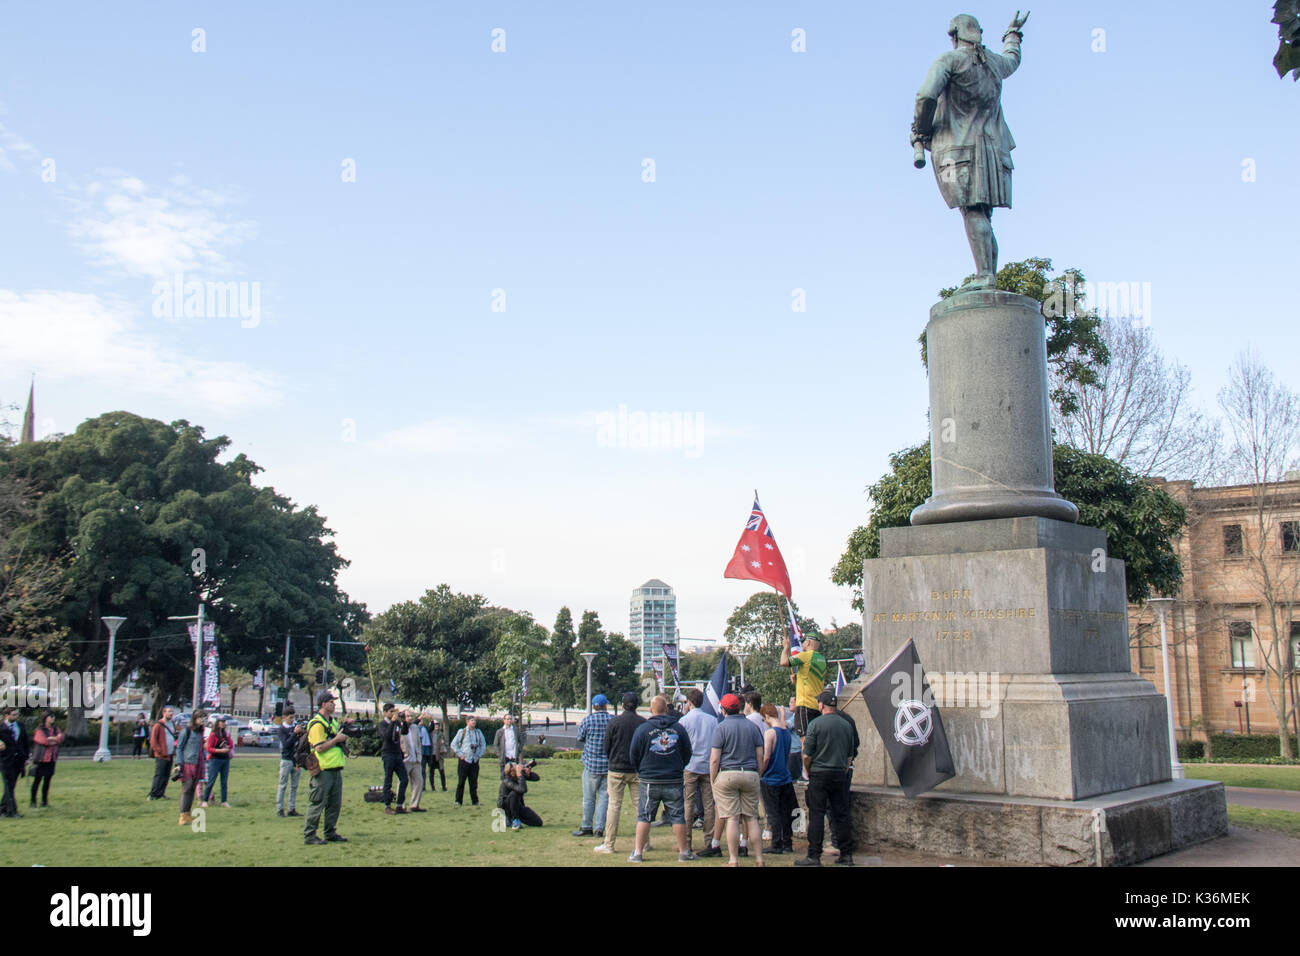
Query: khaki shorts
[736, 794]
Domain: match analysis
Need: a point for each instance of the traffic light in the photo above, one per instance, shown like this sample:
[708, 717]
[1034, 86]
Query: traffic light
[322, 677]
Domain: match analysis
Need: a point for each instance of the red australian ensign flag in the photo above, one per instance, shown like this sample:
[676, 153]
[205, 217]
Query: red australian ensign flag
[757, 557]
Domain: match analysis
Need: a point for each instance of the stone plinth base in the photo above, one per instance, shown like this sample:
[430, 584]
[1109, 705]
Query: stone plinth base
[1116, 829]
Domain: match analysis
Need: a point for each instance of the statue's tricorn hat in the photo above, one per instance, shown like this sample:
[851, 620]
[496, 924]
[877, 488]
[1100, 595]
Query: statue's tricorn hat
[965, 27]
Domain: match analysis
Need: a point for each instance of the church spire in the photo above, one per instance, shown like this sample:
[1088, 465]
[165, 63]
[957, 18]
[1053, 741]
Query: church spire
[29, 417]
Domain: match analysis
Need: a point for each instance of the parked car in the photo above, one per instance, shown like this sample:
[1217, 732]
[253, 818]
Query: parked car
[253, 738]
[261, 726]
[233, 726]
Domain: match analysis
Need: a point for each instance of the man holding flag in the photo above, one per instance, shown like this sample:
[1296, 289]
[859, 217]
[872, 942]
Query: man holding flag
[809, 678]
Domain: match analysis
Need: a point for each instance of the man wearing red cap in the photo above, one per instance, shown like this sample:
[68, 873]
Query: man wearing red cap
[734, 763]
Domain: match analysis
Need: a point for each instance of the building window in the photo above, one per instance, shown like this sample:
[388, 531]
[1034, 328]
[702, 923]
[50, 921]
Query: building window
[1295, 645]
[1243, 645]
[1291, 537]
[1146, 648]
[1232, 541]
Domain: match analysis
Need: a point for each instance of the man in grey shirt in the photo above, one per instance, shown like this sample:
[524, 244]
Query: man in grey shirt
[734, 763]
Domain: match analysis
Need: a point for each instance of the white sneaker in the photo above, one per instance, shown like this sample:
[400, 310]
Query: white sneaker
[767, 834]
[601, 848]
[634, 857]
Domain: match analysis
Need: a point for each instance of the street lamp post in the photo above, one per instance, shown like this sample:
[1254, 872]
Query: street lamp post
[588, 656]
[198, 653]
[1162, 606]
[112, 622]
[740, 656]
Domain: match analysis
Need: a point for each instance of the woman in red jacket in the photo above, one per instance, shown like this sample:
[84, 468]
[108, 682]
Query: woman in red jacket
[44, 756]
[219, 747]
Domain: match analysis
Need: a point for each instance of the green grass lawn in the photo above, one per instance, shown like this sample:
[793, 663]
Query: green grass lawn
[1279, 821]
[1247, 775]
[98, 816]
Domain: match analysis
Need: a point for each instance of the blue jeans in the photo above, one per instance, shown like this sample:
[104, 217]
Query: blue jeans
[594, 796]
[217, 767]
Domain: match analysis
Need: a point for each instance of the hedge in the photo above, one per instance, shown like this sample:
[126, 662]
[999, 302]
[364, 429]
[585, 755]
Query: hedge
[1225, 748]
[1191, 750]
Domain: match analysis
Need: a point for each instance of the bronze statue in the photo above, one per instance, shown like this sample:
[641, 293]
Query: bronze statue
[959, 119]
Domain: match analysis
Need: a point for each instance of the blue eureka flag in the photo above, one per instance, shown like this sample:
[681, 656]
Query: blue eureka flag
[716, 688]
[840, 681]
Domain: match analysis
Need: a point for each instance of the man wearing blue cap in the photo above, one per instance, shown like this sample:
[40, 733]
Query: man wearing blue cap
[595, 765]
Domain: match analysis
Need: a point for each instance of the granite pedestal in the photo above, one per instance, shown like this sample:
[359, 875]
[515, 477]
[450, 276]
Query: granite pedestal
[1021, 625]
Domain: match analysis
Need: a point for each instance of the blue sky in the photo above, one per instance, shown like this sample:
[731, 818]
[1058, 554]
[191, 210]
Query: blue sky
[446, 441]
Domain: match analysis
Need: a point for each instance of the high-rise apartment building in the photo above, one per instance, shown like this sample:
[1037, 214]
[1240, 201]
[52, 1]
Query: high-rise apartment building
[652, 619]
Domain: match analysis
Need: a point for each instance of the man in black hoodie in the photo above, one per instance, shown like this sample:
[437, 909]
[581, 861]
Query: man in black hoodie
[390, 751]
[622, 771]
[661, 749]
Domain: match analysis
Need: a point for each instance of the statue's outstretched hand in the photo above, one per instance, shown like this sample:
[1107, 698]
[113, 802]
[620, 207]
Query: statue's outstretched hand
[1018, 21]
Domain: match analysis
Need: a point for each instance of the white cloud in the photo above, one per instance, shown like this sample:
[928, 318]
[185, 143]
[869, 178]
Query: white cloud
[71, 335]
[123, 224]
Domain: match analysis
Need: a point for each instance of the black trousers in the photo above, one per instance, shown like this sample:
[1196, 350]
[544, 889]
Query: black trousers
[9, 808]
[439, 764]
[162, 774]
[848, 798]
[779, 802]
[137, 745]
[516, 810]
[393, 765]
[826, 791]
[466, 771]
[43, 773]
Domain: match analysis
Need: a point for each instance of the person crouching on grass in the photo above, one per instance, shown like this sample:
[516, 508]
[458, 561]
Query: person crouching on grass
[510, 798]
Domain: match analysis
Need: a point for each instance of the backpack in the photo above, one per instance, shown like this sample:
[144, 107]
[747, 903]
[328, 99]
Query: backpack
[304, 754]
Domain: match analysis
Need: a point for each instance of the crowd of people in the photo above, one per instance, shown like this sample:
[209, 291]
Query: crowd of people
[730, 773]
[413, 749]
[729, 770]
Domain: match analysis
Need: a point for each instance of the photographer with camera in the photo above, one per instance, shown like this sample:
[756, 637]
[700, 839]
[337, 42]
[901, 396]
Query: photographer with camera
[514, 777]
[327, 741]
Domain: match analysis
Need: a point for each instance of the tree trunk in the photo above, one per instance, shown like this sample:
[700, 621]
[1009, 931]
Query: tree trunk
[78, 726]
[261, 699]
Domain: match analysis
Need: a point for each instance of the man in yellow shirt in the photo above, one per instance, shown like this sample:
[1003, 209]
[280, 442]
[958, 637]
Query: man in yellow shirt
[809, 679]
[327, 740]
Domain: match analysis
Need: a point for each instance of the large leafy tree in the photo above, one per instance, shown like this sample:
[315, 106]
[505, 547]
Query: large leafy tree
[31, 585]
[758, 627]
[438, 649]
[613, 669]
[521, 646]
[153, 522]
[1140, 519]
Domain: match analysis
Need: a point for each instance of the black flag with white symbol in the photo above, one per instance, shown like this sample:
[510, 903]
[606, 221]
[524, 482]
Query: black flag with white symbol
[903, 709]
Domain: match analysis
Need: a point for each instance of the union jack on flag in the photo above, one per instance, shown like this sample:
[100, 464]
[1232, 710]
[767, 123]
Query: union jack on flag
[757, 557]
